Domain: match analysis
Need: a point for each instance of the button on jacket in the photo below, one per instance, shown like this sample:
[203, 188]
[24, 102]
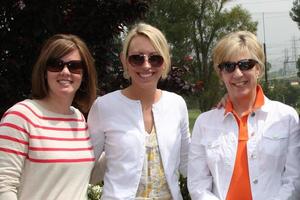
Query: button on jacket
[117, 127]
[273, 151]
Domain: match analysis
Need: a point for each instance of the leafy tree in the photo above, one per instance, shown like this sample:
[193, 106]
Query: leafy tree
[193, 27]
[26, 24]
[283, 91]
[298, 66]
[295, 12]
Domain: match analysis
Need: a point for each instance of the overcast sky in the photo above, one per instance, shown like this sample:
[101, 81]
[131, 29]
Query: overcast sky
[279, 31]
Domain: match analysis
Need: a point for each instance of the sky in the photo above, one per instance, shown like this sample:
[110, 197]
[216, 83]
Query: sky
[276, 28]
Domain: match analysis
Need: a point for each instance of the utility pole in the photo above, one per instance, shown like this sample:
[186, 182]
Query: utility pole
[286, 61]
[294, 49]
[265, 52]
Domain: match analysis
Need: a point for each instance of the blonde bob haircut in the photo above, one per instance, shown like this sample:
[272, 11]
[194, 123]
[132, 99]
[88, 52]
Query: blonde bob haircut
[56, 47]
[237, 43]
[157, 39]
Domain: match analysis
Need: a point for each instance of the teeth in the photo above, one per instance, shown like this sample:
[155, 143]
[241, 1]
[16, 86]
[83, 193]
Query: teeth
[64, 81]
[240, 84]
[145, 75]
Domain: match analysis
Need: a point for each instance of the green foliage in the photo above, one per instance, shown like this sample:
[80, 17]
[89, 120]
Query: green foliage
[94, 192]
[298, 66]
[26, 24]
[184, 189]
[193, 114]
[193, 27]
[295, 12]
[283, 91]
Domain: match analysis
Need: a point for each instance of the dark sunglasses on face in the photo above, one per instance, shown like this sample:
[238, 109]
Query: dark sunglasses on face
[57, 65]
[137, 60]
[243, 65]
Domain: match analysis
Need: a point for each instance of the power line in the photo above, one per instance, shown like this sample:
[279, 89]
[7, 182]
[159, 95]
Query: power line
[252, 2]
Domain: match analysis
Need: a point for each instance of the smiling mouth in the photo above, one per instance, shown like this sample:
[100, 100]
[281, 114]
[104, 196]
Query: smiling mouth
[240, 84]
[64, 82]
[145, 75]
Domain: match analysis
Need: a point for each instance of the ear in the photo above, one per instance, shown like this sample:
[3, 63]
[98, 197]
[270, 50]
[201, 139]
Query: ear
[257, 71]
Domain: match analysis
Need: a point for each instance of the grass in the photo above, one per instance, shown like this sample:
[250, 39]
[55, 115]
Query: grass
[193, 114]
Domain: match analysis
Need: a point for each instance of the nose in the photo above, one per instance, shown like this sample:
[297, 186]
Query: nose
[65, 70]
[146, 63]
[237, 72]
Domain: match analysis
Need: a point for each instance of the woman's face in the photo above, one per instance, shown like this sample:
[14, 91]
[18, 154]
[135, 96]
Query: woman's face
[241, 84]
[65, 83]
[143, 63]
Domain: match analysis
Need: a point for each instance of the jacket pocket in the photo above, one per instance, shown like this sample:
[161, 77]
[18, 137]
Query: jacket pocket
[217, 150]
[275, 142]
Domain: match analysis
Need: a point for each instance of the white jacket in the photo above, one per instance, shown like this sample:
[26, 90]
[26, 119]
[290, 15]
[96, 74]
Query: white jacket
[116, 126]
[273, 151]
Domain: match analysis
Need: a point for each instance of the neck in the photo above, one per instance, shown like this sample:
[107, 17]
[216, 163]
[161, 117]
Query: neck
[146, 96]
[243, 105]
[58, 105]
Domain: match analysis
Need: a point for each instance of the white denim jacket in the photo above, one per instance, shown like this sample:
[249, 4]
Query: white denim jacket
[117, 128]
[273, 151]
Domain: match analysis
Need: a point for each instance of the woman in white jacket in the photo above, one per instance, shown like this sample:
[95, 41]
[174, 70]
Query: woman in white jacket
[250, 149]
[142, 130]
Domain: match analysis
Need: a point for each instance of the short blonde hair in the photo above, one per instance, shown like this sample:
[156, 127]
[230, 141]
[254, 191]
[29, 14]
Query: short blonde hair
[236, 43]
[157, 39]
[56, 47]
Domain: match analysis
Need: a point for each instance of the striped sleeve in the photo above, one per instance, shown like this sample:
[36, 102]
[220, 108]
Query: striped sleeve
[14, 137]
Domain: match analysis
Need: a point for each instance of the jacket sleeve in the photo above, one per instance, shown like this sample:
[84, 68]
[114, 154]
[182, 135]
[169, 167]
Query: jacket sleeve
[290, 188]
[95, 128]
[13, 152]
[185, 140]
[199, 176]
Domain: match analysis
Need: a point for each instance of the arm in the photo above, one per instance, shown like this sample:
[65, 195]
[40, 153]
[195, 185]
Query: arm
[13, 152]
[222, 102]
[185, 140]
[290, 188]
[199, 176]
[98, 138]
[98, 170]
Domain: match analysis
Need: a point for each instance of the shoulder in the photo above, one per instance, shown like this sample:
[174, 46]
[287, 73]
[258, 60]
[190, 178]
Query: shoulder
[110, 95]
[109, 104]
[172, 97]
[24, 106]
[19, 111]
[108, 98]
[211, 117]
[279, 108]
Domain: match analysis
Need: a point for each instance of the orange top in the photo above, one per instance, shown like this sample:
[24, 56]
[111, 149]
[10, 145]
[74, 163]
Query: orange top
[240, 182]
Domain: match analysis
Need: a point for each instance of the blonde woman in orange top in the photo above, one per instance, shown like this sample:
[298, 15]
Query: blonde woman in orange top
[249, 149]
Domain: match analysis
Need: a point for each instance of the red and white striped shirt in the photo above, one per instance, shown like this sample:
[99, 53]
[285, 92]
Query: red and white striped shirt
[44, 155]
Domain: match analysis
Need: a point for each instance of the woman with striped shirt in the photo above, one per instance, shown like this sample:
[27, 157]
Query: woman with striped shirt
[45, 149]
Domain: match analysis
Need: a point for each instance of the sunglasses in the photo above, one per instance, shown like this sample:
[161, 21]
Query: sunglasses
[57, 65]
[137, 60]
[243, 65]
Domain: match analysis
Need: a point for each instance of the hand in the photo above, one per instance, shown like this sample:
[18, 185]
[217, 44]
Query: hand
[222, 102]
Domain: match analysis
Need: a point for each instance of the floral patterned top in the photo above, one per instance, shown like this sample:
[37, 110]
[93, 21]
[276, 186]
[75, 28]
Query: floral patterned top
[153, 184]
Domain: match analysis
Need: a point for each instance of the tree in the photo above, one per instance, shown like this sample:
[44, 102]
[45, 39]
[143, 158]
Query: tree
[298, 66]
[192, 28]
[295, 12]
[26, 24]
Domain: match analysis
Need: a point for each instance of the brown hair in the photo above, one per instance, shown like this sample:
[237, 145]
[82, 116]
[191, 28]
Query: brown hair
[56, 47]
